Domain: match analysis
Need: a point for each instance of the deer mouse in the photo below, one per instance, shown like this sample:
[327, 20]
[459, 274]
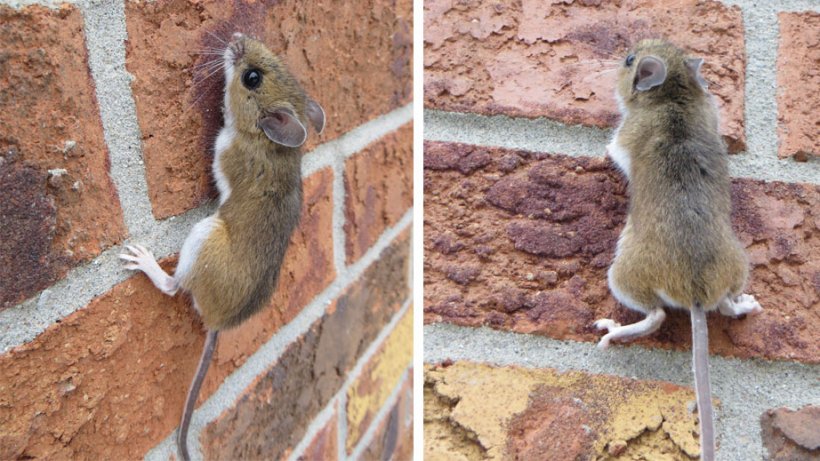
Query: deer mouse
[230, 261]
[677, 247]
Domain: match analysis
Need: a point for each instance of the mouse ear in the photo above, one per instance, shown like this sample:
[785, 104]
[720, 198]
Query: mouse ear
[316, 115]
[282, 127]
[651, 72]
[693, 66]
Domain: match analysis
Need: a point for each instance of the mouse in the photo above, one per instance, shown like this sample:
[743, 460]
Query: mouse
[229, 262]
[677, 248]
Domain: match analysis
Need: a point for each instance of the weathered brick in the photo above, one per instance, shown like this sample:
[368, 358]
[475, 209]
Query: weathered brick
[273, 413]
[791, 435]
[534, 59]
[109, 381]
[393, 438]
[378, 379]
[325, 445]
[797, 82]
[475, 411]
[354, 58]
[378, 190]
[523, 241]
[59, 207]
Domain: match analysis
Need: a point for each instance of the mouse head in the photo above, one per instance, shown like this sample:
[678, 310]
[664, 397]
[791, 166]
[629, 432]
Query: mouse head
[262, 97]
[657, 70]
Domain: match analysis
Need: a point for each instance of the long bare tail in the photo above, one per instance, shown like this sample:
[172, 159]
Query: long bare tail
[703, 387]
[193, 393]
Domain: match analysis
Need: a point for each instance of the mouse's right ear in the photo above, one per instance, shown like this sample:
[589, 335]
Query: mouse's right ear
[282, 127]
[651, 72]
[316, 115]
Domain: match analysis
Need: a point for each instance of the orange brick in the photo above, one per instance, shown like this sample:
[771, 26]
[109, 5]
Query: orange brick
[109, 381]
[547, 59]
[378, 379]
[378, 190]
[325, 445]
[522, 241]
[353, 57]
[797, 83]
[59, 207]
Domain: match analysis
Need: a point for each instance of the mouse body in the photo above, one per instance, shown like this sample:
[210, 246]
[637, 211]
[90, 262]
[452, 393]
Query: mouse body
[677, 247]
[230, 261]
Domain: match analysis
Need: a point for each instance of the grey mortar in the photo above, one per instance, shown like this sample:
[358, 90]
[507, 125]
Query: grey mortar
[746, 388]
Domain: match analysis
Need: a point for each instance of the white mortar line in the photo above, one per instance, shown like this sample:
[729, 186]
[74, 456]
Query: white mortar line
[745, 387]
[268, 354]
[384, 411]
[105, 36]
[340, 398]
[544, 135]
[51, 4]
[339, 198]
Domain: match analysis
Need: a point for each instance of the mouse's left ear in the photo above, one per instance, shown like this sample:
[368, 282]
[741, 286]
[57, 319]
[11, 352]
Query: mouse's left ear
[651, 72]
[693, 66]
[316, 115]
[283, 127]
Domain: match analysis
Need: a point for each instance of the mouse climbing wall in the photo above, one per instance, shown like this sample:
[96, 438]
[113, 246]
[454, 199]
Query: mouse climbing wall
[523, 210]
[106, 124]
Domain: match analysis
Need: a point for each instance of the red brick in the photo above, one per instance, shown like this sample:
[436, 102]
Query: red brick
[368, 394]
[476, 411]
[353, 57]
[547, 59]
[378, 190]
[797, 83]
[523, 241]
[49, 120]
[791, 435]
[109, 381]
[393, 438]
[325, 445]
[272, 415]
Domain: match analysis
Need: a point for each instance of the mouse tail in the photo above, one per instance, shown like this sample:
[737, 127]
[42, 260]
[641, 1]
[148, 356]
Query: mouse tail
[193, 393]
[703, 387]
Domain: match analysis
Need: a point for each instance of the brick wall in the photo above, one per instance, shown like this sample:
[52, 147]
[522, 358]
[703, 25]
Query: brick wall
[522, 212]
[106, 121]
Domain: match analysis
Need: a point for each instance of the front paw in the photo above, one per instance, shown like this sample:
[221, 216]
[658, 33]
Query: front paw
[138, 258]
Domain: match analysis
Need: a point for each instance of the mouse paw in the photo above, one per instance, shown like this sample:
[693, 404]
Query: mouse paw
[743, 304]
[139, 258]
[606, 324]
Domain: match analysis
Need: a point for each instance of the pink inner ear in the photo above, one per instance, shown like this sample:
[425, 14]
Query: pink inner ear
[282, 127]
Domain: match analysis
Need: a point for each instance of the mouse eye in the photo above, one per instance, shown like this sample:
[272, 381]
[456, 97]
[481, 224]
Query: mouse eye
[629, 60]
[252, 78]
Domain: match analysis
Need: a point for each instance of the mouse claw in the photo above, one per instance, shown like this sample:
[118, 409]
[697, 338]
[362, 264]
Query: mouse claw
[606, 324]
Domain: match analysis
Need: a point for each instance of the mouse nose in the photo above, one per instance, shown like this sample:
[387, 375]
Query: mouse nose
[236, 36]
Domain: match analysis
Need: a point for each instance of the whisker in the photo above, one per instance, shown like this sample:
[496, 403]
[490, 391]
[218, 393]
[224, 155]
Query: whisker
[208, 65]
[216, 37]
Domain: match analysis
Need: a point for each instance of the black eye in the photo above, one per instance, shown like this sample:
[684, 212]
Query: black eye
[629, 60]
[251, 79]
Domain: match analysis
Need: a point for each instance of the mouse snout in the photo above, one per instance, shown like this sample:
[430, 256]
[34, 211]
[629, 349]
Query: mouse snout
[237, 46]
[236, 36]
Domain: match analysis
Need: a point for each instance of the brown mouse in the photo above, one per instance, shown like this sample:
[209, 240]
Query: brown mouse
[677, 248]
[230, 261]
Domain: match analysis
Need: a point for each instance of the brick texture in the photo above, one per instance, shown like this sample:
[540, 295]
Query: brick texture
[797, 83]
[521, 241]
[325, 445]
[378, 190]
[474, 411]
[378, 380]
[59, 206]
[550, 59]
[791, 435]
[354, 58]
[393, 438]
[273, 413]
[109, 381]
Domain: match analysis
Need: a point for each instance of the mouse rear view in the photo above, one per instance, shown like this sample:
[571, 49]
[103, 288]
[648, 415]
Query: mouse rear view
[677, 247]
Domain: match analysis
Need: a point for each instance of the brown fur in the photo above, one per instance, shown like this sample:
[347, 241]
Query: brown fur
[678, 236]
[237, 267]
